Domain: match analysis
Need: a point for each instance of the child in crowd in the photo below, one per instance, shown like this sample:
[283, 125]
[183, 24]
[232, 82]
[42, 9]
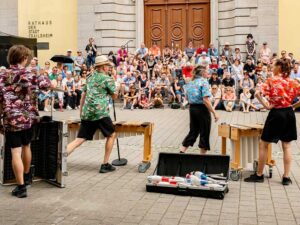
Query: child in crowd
[130, 99]
[158, 99]
[144, 102]
[245, 100]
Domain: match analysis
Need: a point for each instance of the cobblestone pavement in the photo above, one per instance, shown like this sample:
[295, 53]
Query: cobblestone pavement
[120, 197]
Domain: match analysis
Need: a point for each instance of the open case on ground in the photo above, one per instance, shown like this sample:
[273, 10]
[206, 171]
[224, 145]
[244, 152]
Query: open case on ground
[178, 165]
[48, 159]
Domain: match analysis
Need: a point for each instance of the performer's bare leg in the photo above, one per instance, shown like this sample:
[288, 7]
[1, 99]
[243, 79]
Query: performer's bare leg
[183, 149]
[74, 144]
[287, 158]
[26, 158]
[17, 164]
[108, 147]
[263, 151]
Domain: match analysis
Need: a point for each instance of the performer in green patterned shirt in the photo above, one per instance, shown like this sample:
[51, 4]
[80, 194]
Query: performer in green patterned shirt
[94, 111]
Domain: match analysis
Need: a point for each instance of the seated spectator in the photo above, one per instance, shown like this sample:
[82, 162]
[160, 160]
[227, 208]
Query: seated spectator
[60, 95]
[259, 84]
[212, 52]
[246, 82]
[128, 81]
[200, 50]
[53, 75]
[177, 89]
[152, 85]
[214, 64]
[180, 62]
[155, 51]
[190, 51]
[187, 71]
[204, 60]
[237, 70]
[214, 80]
[216, 96]
[176, 51]
[64, 71]
[228, 81]
[165, 69]
[223, 61]
[144, 83]
[122, 54]
[144, 102]
[256, 105]
[69, 88]
[44, 96]
[221, 70]
[237, 55]
[245, 100]
[142, 52]
[47, 67]
[142, 66]
[227, 52]
[265, 53]
[150, 65]
[249, 67]
[264, 72]
[2, 69]
[158, 99]
[167, 52]
[130, 99]
[163, 84]
[229, 98]
[295, 71]
[292, 59]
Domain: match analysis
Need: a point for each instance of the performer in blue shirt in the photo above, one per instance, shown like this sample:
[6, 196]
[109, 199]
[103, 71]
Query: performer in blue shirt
[198, 94]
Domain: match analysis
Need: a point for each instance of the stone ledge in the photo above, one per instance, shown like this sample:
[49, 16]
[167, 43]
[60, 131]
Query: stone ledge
[118, 34]
[122, 9]
[117, 17]
[115, 25]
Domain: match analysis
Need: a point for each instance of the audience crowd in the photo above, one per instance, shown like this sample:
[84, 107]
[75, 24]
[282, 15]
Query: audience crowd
[151, 77]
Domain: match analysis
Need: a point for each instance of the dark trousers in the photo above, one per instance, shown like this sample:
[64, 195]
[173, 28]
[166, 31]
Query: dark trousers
[71, 100]
[200, 123]
[78, 97]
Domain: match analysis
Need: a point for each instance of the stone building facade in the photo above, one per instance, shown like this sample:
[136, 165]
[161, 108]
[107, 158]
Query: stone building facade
[116, 22]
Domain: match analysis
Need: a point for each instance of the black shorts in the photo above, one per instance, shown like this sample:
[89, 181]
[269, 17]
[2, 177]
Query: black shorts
[18, 139]
[280, 125]
[88, 128]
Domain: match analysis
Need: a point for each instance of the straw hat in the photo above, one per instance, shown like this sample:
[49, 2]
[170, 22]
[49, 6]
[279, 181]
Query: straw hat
[102, 60]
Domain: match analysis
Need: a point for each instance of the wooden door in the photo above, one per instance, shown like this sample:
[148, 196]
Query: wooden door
[177, 21]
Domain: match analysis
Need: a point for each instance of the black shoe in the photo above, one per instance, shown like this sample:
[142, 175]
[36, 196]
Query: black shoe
[255, 178]
[27, 179]
[105, 168]
[20, 191]
[286, 181]
[182, 152]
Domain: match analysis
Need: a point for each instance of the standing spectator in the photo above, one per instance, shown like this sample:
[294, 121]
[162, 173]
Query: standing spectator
[142, 52]
[70, 65]
[213, 52]
[79, 61]
[155, 51]
[265, 53]
[122, 54]
[69, 88]
[251, 47]
[91, 50]
[292, 59]
[190, 51]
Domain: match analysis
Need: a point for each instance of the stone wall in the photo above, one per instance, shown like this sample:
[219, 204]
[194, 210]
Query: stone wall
[9, 16]
[111, 22]
[237, 18]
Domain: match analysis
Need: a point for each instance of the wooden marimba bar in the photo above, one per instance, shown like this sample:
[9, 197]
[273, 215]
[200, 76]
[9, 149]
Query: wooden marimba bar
[123, 129]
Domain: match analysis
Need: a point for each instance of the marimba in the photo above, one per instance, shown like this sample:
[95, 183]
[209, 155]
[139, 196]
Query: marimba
[123, 129]
[245, 144]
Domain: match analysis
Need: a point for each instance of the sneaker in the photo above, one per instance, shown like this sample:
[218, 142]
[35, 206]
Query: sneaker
[27, 179]
[20, 191]
[286, 181]
[255, 178]
[53, 110]
[69, 108]
[105, 168]
[46, 110]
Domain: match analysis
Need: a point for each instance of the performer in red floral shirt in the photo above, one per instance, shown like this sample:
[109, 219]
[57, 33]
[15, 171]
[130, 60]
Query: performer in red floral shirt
[281, 121]
[18, 111]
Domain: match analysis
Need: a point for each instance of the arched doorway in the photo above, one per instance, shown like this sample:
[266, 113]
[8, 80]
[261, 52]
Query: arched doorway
[177, 21]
